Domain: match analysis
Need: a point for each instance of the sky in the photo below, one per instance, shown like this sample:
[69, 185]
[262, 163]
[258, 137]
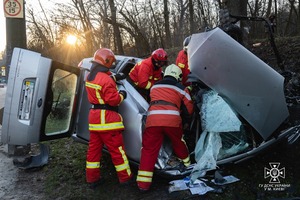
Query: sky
[2, 28]
[3, 19]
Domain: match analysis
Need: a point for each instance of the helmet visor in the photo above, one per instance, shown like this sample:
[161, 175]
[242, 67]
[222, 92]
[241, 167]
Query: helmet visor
[160, 63]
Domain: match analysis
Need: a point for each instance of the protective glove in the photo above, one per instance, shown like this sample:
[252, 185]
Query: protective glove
[118, 77]
[123, 93]
[190, 88]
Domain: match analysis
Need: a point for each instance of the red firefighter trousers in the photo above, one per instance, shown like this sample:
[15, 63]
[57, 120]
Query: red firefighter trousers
[152, 141]
[113, 140]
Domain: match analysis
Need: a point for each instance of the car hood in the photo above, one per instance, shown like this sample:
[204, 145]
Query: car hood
[251, 87]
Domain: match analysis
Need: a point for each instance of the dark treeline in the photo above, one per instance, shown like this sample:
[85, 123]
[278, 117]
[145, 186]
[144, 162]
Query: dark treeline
[137, 27]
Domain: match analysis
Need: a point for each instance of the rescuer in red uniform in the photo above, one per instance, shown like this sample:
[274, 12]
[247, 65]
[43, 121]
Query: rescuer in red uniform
[169, 101]
[182, 61]
[105, 123]
[145, 73]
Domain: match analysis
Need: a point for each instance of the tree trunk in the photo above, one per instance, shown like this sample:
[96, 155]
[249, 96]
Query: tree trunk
[182, 8]
[159, 38]
[87, 26]
[269, 8]
[237, 7]
[141, 41]
[204, 22]
[104, 41]
[167, 24]
[117, 33]
[191, 20]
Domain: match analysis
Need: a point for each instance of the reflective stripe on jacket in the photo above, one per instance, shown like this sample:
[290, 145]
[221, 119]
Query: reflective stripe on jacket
[168, 90]
[144, 75]
[182, 62]
[103, 90]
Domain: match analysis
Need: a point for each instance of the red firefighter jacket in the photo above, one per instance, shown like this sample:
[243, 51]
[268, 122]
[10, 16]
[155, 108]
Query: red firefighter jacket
[182, 62]
[169, 101]
[144, 75]
[103, 90]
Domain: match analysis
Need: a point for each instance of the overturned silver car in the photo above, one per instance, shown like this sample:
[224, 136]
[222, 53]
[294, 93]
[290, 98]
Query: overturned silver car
[240, 105]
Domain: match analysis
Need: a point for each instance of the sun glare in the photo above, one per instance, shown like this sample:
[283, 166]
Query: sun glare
[71, 39]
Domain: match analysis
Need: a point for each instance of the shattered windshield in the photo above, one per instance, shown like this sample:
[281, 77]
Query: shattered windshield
[223, 134]
[222, 124]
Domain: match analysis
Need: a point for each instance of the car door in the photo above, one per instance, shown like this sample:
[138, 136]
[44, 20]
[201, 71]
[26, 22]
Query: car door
[40, 102]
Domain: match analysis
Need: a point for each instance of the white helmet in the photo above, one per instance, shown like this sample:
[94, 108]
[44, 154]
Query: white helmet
[186, 42]
[174, 71]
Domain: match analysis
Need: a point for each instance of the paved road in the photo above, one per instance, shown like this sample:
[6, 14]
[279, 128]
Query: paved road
[8, 172]
[2, 101]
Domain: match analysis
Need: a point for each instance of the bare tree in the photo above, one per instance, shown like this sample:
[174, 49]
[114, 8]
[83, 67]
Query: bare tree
[290, 21]
[237, 7]
[167, 24]
[178, 20]
[43, 38]
[130, 23]
[158, 37]
[269, 8]
[86, 23]
[138, 27]
[191, 19]
[201, 15]
[117, 34]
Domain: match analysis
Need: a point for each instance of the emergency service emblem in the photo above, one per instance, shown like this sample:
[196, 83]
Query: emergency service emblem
[274, 172]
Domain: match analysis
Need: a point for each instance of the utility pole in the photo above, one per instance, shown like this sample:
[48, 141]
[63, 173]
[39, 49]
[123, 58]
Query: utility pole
[14, 11]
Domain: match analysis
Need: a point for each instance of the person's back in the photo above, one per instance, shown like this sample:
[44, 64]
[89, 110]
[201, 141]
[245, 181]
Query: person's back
[147, 72]
[182, 61]
[105, 123]
[143, 74]
[168, 97]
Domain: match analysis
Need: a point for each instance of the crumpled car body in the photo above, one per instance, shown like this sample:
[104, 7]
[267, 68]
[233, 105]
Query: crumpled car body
[47, 100]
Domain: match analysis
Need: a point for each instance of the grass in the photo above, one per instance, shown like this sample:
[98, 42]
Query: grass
[65, 177]
[66, 169]
[65, 173]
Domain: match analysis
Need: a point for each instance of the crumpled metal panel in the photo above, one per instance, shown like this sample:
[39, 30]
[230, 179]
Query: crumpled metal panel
[251, 87]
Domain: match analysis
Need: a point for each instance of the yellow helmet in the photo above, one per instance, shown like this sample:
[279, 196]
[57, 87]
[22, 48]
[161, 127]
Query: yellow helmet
[174, 71]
